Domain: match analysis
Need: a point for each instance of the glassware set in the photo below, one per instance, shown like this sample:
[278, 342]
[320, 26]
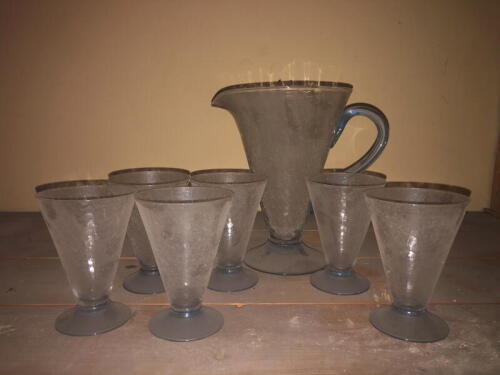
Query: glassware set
[191, 231]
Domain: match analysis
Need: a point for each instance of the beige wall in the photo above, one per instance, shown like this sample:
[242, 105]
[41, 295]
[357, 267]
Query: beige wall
[91, 86]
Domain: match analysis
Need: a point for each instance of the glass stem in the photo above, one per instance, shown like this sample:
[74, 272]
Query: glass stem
[339, 273]
[409, 312]
[231, 269]
[148, 268]
[186, 312]
[150, 272]
[281, 242]
[92, 305]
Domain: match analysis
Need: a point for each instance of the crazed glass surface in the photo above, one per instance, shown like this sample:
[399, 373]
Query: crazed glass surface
[247, 188]
[415, 228]
[87, 224]
[184, 226]
[341, 213]
[286, 134]
[142, 179]
[287, 129]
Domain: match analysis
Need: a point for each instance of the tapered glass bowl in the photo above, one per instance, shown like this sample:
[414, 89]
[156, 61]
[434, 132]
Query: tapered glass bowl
[184, 226]
[87, 221]
[147, 279]
[343, 220]
[415, 226]
[229, 275]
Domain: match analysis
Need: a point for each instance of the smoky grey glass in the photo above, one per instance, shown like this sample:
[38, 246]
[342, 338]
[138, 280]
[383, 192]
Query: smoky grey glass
[287, 129]
[229, 275]
[87, 221]
[338, 199]
[415, 228]
[147, 280]
[184, 226]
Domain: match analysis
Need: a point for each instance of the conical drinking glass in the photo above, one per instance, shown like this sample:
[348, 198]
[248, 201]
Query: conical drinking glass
[184, 226]
[287, 129]
[338, 199]
[87, 221]
[415, 228]
[228, 274]
[147, 280]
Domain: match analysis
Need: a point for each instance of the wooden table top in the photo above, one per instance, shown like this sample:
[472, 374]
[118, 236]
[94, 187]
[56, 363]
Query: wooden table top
[281, 326]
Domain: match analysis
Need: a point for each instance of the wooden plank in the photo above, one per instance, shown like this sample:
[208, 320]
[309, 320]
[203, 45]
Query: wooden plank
[495, 188]
[282, 326]
[254, 340]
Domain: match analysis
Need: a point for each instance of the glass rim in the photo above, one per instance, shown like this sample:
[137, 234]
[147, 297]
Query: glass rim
[342, 170]
[432, 185]
[378, 175]
[120, 172]
[286, 84]
[207, 172]
[73, 184]
[464, 199]
[225, 194]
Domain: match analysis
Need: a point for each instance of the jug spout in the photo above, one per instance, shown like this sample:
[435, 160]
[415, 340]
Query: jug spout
[219, 100]
[227, 97]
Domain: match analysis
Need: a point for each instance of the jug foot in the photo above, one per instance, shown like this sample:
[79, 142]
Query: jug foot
[329, 282]
[144, 282]
[232, 280]
[79, 321]
[422, 326]
[174, 326]
[296, 259]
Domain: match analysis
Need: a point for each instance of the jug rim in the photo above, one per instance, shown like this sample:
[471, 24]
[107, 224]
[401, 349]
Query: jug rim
[290, 84]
